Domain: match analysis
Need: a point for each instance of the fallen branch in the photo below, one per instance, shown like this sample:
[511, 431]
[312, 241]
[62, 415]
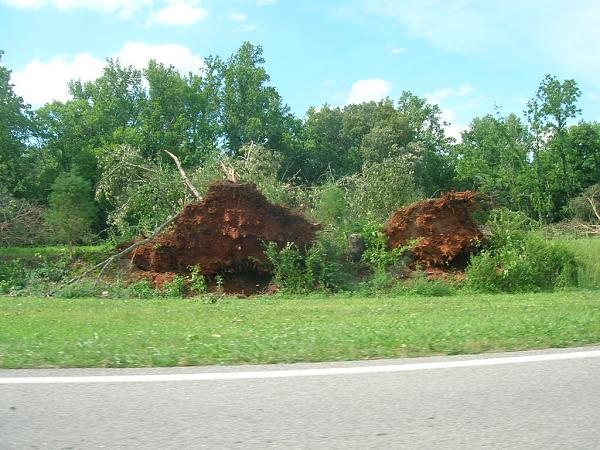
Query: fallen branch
[186, 180]
[104, 264]
[592, 203]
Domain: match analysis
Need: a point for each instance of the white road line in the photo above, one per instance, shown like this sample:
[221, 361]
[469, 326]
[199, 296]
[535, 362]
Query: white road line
[302, 372]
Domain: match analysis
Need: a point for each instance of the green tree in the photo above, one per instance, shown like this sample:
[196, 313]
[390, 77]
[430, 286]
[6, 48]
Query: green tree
[72, 210]
[15, 129]
[548, 113]
[181, 113]
[583, 143]
[434, 168]
[252, 111]
[493, 158]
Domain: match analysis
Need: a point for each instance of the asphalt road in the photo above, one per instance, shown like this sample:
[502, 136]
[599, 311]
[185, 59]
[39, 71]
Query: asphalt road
[490, 401]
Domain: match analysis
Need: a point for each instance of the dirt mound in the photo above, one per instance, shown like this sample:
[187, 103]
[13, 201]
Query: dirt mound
[224, 234]
[444, 228]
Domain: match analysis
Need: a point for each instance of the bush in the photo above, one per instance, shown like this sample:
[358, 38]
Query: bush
[142, 289]
[520, 259]
[295, 271]
[176, 288]
[197, 281]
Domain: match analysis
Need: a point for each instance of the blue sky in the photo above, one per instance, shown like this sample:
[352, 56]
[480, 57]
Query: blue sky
[465, 55]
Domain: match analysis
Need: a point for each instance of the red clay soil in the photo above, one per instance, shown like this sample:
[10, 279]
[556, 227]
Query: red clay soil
[443, 227]
[225, 234]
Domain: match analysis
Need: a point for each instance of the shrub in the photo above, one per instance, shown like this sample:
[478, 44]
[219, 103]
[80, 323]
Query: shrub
[377, 254]
[142, 289]
[520, 259]
[197, 281]
[176, 288]
[296, 271]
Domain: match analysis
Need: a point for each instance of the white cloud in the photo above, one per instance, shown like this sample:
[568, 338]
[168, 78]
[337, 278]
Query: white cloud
[593, 96]
[439, 95]
[41, 82]
[138, 54]
[265, 2]
[123, 7]
[397, 50]
[464, 89]
[238, 17]
[373, 89]
[179, 12]
[451, 128]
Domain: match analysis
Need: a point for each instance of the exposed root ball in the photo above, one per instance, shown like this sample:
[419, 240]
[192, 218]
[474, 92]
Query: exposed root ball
[224, 234]
[443, 227]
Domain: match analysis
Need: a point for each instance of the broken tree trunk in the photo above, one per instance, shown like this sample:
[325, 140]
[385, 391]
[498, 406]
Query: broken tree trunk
[186, 180]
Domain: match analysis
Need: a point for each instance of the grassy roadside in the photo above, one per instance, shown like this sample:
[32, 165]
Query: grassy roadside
[42, 332]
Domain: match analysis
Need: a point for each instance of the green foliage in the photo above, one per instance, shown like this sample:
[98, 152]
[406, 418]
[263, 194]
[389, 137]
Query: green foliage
[262, 166]
[197, 281]
[296, 271]
[176, 287]
[30, 276]
[252, 111]
[142, 289]
[16, 127]
[72, 210]
[380, 188]
[520, 260]
[377, 254]
[586, 206]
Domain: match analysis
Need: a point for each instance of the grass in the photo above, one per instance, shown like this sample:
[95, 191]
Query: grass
[588, 255]
[48, 332]
[31, 252]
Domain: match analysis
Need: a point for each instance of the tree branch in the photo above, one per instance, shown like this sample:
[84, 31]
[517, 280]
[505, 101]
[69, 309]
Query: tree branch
[186, 180]
[593, 205]
[104, 264]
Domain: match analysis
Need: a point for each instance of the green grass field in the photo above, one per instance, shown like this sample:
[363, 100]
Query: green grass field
[588, 255]
[48, 332]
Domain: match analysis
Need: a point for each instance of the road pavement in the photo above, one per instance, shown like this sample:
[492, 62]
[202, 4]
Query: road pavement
[535, 400]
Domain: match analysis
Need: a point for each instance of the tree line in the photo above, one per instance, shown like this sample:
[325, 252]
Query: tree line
[95, 163]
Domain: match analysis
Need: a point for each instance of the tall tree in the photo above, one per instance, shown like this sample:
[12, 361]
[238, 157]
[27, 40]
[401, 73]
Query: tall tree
[252, 110]
[434, 169]
[548, 113]
[15, 129]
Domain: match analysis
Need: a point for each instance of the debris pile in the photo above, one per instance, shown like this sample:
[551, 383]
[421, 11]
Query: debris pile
[225, 234]
[443, 229]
